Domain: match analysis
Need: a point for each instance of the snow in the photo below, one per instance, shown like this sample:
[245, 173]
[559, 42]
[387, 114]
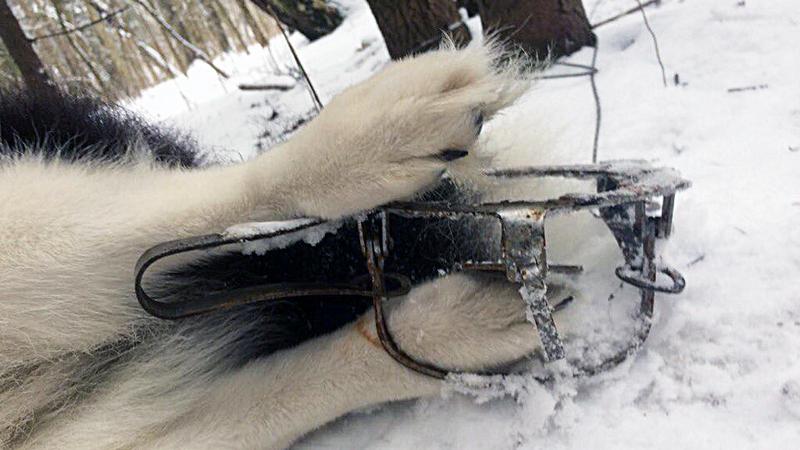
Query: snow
[291, 232]
[250, 229]
[721, 368]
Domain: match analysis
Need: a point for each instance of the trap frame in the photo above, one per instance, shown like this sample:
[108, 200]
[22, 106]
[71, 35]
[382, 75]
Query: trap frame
[624, 191]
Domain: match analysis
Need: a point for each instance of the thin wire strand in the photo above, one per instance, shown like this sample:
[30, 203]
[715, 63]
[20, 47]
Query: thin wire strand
[655, 42]
[598, 112]
[314, 96]
[590, 71]
[565, 75]
[81, 27]
[624, 13]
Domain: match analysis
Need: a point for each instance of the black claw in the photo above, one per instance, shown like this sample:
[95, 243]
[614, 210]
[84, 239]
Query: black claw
[452, 154]
[478, 122]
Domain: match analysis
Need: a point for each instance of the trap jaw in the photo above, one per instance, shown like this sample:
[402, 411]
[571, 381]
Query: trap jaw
[524, 261]
[624, 191]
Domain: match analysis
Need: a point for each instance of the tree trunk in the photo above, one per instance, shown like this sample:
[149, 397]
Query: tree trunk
[22, 53]
[312, 18]
[215, 25]
[540, 27]
[253, 24]
[88, 64]
[185, 57]
[416, 26]
[224, 15]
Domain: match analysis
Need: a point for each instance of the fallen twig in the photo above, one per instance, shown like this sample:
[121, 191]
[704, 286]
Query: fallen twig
[748, 88]
[696, 260]
[265, 87]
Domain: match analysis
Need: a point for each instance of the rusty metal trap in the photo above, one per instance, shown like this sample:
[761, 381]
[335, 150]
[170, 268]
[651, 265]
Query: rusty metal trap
[625, 194]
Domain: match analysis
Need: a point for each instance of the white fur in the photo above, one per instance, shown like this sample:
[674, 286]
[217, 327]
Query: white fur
[70, 234]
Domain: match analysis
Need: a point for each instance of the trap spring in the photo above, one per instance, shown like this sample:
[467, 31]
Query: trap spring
[624, 190]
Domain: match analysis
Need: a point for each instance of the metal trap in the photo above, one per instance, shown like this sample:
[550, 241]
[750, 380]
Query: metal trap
[625, 189]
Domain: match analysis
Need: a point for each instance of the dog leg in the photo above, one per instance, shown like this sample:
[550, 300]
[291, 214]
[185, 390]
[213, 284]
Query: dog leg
[458, 321]
[71, 233]
[77, 231]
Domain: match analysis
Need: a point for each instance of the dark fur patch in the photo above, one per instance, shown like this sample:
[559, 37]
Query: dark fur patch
[421, 249]
[80, 128]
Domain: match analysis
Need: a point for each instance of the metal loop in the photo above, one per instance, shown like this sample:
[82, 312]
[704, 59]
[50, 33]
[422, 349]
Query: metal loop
[185, 307]
[624, 273]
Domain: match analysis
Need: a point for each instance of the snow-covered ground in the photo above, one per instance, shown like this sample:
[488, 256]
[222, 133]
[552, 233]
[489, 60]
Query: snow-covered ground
[722, 366]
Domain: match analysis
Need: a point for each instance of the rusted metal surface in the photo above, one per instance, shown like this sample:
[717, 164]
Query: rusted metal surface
[632, 181]
[371, 233]
[525, 257]
[235, 297]
[624, 189]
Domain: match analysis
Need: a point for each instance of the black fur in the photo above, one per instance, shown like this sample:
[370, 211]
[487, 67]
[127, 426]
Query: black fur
[75, 128]
[421, 249]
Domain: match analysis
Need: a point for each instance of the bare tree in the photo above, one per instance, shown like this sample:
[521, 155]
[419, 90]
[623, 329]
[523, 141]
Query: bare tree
[540, 27]
[312, 18]
[97, 76]
[252, 23]
[119, 47]
[21, 51]
[416, 26]
[196, 51]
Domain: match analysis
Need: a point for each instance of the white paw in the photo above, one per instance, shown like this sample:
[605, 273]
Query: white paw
[463, 322]
[396, 133]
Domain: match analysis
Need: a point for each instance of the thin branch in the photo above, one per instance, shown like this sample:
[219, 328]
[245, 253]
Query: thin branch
[655, 43]
[314, 96]
[198, 53]
[80, 27]
[696, 260]
[625, 13]
[145, 49]
[81, 54]
[598, 110]
[748, 88]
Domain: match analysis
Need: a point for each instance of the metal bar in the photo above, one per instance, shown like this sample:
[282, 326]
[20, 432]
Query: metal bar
[525, 255]
[373, 252]
[665, 222]
[645, 229]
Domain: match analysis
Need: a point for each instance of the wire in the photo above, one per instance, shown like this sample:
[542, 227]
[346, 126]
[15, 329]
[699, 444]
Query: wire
[311, 90]
[655, 42]
[598, 112]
